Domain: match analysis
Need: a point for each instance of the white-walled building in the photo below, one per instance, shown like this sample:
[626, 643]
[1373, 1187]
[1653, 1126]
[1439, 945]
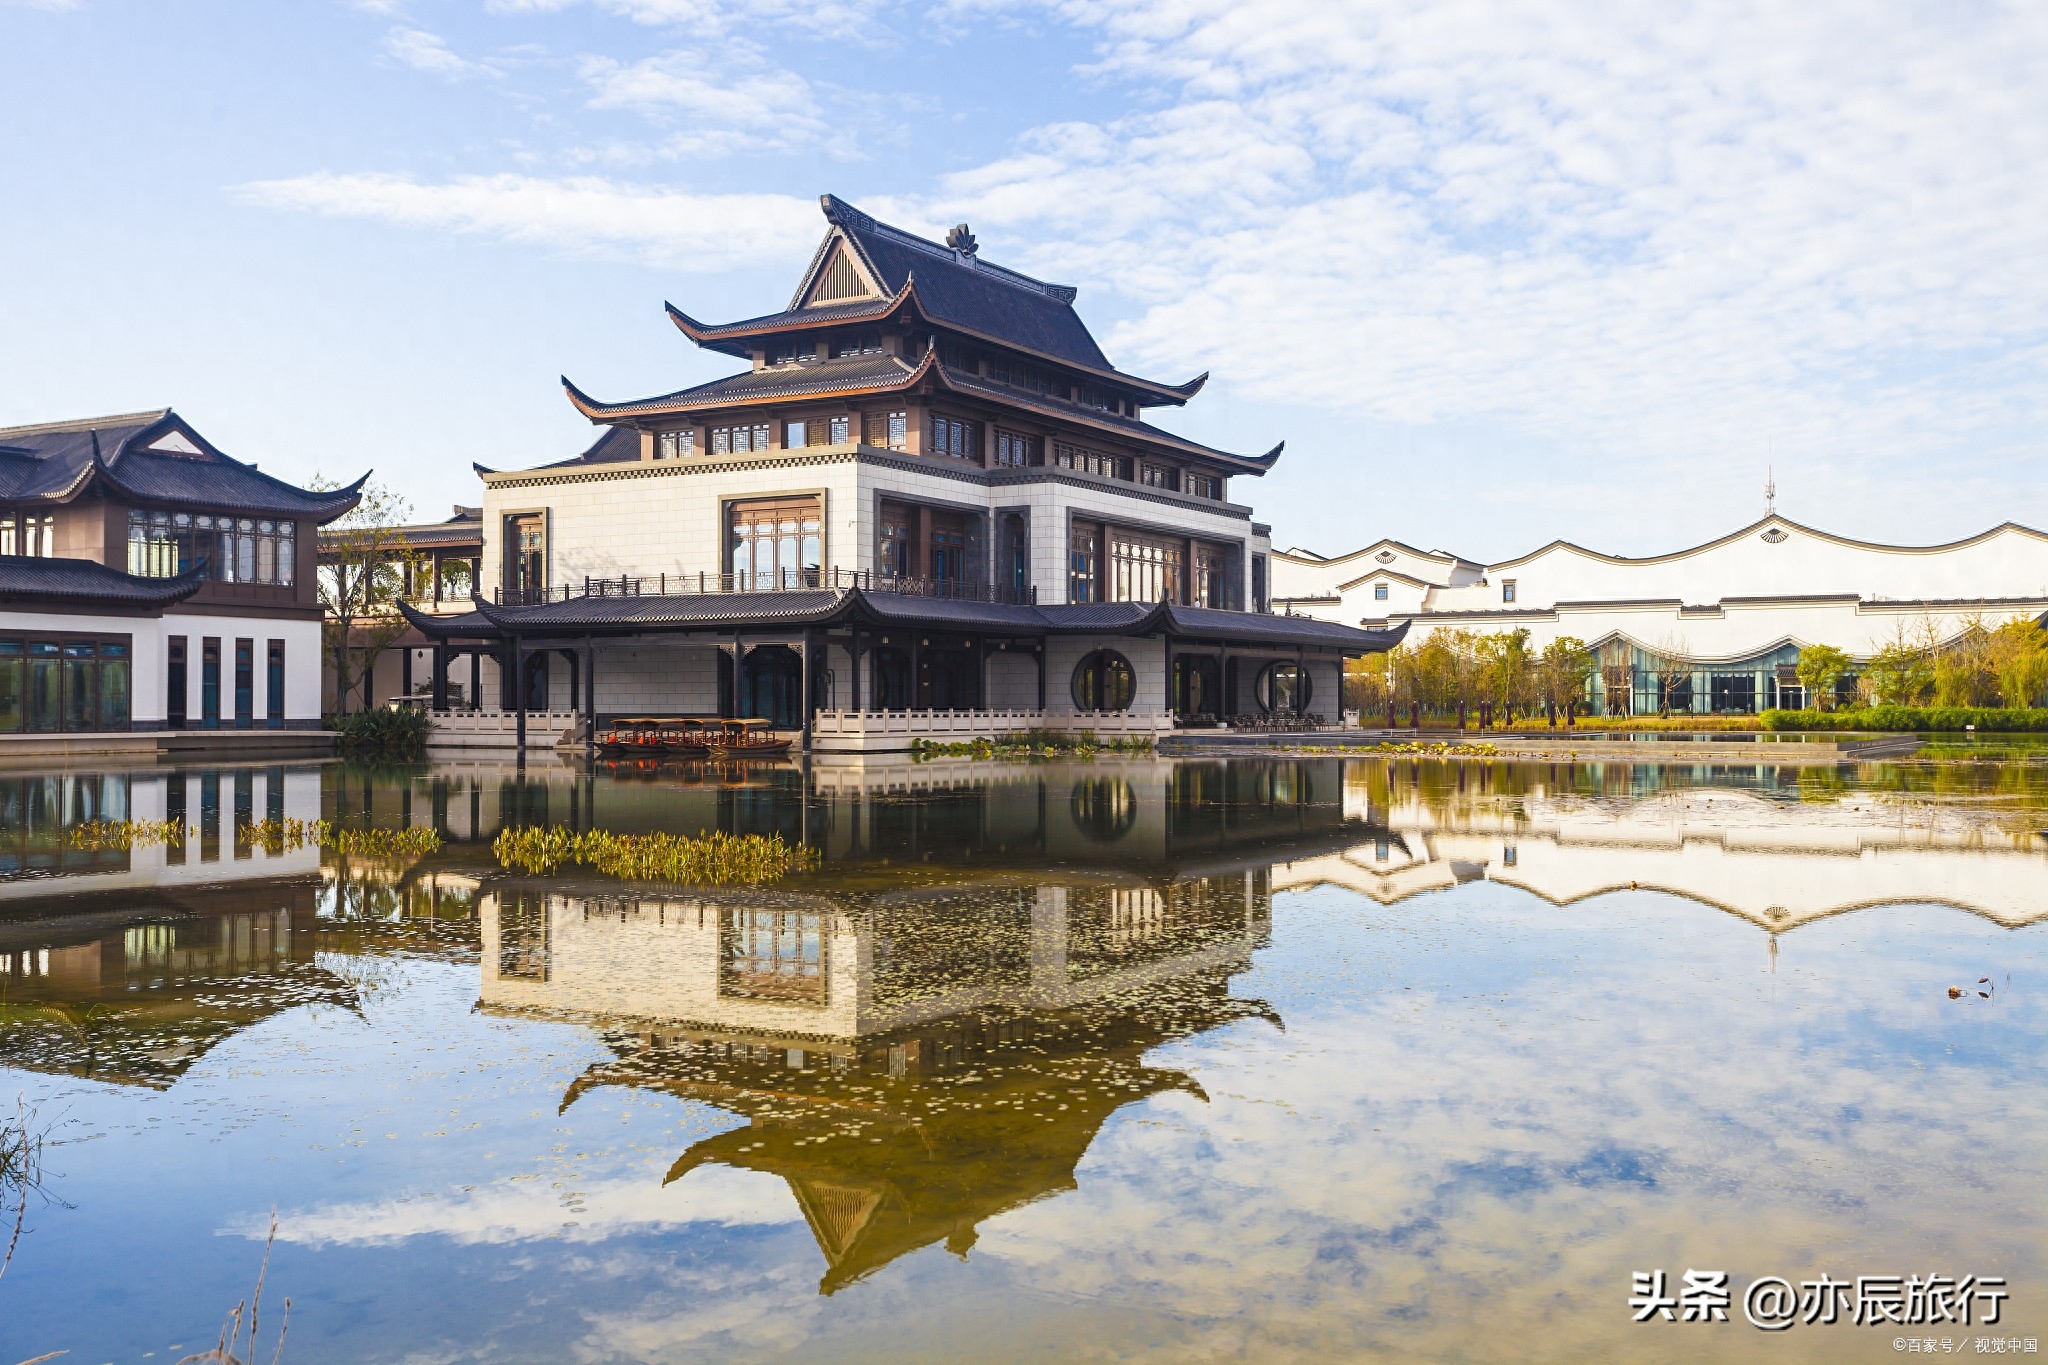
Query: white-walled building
[1734, 611]
[150, 582]
[928, 491]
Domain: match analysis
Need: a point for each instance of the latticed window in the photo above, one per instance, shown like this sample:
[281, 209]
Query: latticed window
[235, 549]
[775, 543]
[1017, 374]
[36, 536]
[1087, 461]
[793, 351]
[1212, 576]
[1159, 476]
[857, 343]
[776, 954]
[1144, 568]
[675, 445]
[1202, 486]
[896, 541]
[1083, 549]
[889, 430]
[958, 439]
[1016, 449]
[739, 440]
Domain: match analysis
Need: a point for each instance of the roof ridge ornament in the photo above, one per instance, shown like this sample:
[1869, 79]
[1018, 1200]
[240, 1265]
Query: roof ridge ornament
[961, 240]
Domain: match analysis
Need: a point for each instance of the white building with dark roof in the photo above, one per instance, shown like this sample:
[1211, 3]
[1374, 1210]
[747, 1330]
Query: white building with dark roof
[1732, 613]
[149, 582]
[928, 492]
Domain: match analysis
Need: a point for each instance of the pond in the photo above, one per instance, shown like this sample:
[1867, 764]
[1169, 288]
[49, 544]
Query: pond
[1266, 1059]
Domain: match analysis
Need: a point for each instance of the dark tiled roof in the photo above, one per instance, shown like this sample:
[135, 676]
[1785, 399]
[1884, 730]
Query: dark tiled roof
[1110, 423]
[1305, 630]
[970, 293]
[851, 374]
[85, 581]
[951, 288]
[55, 460]
[832, 606]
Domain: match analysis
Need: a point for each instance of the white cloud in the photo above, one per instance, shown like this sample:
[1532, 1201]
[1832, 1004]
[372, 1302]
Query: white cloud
[528, 1209]
[1657, 237]
[424, 51]
[671, 229]
[845, 19]
[725, 101]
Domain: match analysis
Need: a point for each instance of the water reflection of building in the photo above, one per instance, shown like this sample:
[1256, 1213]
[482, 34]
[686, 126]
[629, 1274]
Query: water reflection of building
[1771, 851]
[135, 989]
[39, 813]
[128, 963]
[912, 1061]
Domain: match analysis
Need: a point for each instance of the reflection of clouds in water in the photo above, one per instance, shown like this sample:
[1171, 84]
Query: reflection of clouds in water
[524, 1208]
[1635, 1101]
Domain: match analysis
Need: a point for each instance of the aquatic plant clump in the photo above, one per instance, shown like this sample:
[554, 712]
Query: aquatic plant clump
[1033, 744]
[100, 835]
[716, 859]
[278, 836]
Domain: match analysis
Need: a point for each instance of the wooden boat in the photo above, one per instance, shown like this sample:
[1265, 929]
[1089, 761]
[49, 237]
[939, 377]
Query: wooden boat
[687, 738]
[740, 739]
[633, 737]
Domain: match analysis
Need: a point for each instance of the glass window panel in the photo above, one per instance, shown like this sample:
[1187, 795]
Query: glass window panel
[114, 681]
[12, 673]
[81, 691]
[43, 690]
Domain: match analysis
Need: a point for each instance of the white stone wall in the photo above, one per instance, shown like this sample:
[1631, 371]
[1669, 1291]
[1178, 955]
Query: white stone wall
[149, 666]
[1013, 680]
[658, 679]
[664, 516]
[1771, 584]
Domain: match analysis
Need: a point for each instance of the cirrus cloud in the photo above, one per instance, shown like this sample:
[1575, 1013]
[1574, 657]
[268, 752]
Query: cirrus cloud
[592, 216]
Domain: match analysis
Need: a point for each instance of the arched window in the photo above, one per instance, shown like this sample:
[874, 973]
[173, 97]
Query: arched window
[1285, 688]
[1105, 681]
[1104, 808]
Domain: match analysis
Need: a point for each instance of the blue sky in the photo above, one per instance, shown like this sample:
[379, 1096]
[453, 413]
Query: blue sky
[1496, 272]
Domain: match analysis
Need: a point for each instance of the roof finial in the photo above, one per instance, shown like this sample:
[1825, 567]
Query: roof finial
[1770, 492]
[961, 240]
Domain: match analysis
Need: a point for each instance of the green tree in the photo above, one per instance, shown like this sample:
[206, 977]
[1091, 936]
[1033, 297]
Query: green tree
[1901, 673]
[1962, 668]
[1820, 667]
[365, 564]
[1563, 669]
[2017, 653]
[1501, 667]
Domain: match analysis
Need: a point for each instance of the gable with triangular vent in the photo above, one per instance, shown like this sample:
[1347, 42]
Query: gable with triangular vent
[175, 443]
[840, 278]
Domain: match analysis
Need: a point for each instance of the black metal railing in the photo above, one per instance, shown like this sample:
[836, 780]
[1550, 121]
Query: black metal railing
[785, 580]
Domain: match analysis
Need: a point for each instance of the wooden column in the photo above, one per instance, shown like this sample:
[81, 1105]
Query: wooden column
[1043, 641]
[519, 691]
[803, 655]
[1167, 684]
[440, 677]
[590, 689]
[853, 651]
[917, 692]
[405, 670]
[476, 678]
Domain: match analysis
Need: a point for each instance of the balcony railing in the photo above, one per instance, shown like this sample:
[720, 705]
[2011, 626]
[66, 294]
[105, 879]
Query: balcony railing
[785, 580]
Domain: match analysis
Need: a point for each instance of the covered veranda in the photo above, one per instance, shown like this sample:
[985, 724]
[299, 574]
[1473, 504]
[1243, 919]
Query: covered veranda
[862, 669]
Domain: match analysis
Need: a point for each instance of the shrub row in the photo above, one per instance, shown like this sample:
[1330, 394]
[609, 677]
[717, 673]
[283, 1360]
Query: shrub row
[392, 733]
[1911, 718]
